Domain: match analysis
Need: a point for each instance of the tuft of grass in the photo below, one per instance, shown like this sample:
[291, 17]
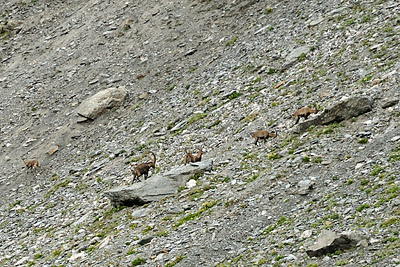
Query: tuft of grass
[178, 259]
[234, 95]
[196, 117]
[302, 57]
[268, 11]
[147, 229]
[317, 160]
[56, 187]
[395, 154]
[232, 41]
[131, 251]
[273, 156]
[377, 170]
[138, 261]
[363, 141]
[363, 207]
[391, 221]
[56, 253]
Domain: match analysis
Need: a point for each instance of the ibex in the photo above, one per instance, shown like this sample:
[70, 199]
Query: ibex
[193, 158]
[304, 112]
[263, 134]
[143, 168]
[31, 164]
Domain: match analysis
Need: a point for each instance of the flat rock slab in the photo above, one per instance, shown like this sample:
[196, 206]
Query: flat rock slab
[95, 105]
[347, 109]
[157, 186]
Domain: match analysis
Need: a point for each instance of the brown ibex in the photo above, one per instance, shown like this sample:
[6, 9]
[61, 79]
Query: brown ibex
[193, 158]
[264, 135]
[31, 164]
[304, 112]
[143, 168]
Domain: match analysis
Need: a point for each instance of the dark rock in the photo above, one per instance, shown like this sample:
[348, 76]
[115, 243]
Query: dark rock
[345, 110]
[145, 240]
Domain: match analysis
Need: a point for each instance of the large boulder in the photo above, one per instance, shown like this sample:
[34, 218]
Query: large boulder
[329, 242]
[95, 105]
[157, 186]
[347, 109]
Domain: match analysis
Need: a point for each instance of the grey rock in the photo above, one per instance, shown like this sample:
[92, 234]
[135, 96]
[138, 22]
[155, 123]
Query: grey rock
[95, 105]
[158, 186]
[316, 22]
[390, 102]
[296, 53]
[82, 219]
[395, 139]
[329, 242]
[345, 110]
[178, 126]
[140, 213]
[305, 186]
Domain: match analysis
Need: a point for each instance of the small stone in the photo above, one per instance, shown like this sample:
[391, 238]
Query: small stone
[143, 95]
[53, 150]
[316, 22]
[76, 256]
[191, 183]
[359, 165]
[22, 260]
[140, 213]
[306, 234]
[104, 242]
[395, 139]
[190, 52]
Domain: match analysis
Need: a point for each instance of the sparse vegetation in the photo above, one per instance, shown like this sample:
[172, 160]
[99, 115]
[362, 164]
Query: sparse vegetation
[174, 262]
[201, 68]
[138, 261]
[232, 41]
[206, 206]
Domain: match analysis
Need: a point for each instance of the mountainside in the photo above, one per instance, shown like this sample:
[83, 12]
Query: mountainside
[200, 74]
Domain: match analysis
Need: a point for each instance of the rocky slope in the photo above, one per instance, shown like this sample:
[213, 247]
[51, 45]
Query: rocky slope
[199, 74]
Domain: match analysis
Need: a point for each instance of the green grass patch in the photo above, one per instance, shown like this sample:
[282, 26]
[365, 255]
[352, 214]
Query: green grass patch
[317, 160]
[178, 259]
[196, 117]
[391, 221]
[138, 261]
[395, 154]
[206, 206]
[268, 11]
[232, 41]
[273, 156]
[56, 187]
[131, 251]
[234, 95]
[363, 207]
[363, 141]
[377, 170]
